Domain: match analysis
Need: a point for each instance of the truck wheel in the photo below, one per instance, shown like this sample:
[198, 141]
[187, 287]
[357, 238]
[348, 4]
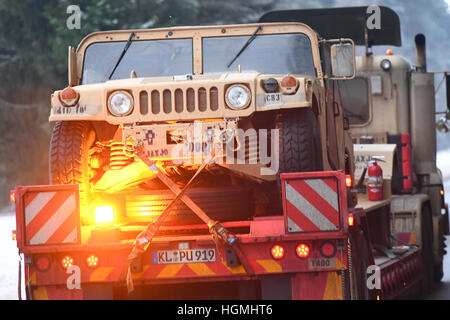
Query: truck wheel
[427, 248]
[299, 142]
[69, 156]
[360, 262]
[438, 272]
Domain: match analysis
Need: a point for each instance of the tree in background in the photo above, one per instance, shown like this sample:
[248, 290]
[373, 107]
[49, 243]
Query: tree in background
[33, 55]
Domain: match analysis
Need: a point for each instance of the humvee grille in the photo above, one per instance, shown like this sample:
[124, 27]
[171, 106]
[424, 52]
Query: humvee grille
[178, 100]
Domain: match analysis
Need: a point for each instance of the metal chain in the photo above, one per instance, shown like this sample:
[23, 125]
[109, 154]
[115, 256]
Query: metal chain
[19, 283]
[350, 270]
[342, 273]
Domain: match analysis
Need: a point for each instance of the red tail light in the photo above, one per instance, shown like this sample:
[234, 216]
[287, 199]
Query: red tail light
[12, 196]
[302, 250]
[67, 261]
[92, 261]
[351, 220]
[42, 263]
[328, 249]
[348, 181]
[277, 252]
[14, 238]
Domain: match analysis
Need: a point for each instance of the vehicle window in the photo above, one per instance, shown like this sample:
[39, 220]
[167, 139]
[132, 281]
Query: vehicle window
[149, 58]
[270, 54]
[355, 95]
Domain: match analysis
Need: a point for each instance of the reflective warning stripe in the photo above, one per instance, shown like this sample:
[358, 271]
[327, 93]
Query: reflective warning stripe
[333, 287]
[312, 205]
[270, 265]
[170, 270]
[51, 217]
[40, 293]
[235, 270]
[100, 274]
[201, 269]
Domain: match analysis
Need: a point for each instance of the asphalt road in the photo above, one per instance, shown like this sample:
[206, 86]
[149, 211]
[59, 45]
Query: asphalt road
[9, 265]
[442, 290]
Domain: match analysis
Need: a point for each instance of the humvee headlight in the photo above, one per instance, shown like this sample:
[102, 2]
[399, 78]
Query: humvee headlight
[385, 64]
[120, 103]
[237, 97]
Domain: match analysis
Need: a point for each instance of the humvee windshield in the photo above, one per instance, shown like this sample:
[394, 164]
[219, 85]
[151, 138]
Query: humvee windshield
[269, 54]
[149, 58]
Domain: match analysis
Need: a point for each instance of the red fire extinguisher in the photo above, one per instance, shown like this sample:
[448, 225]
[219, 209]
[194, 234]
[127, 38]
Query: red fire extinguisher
[375, 182]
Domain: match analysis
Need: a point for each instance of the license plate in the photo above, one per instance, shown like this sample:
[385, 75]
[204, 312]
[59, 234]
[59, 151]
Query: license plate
[272, 99]
[322, 263]
[184, 256]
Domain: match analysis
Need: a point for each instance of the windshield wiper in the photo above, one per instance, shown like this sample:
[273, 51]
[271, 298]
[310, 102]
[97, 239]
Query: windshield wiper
[127, 45]
[245, 45]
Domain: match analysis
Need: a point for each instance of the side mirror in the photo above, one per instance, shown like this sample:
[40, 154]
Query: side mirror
[343, 60]
[442, 125]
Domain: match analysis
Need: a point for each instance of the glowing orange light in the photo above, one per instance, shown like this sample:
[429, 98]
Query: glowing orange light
[68, 94]
[92, 261]
[14, 235]
[302, 250]
[104, 214]
[289, 81]
[442, 192]
[277, 252]
[67, 261]
[389, 52]
[12, 196]
[348, 181]
[351, 220]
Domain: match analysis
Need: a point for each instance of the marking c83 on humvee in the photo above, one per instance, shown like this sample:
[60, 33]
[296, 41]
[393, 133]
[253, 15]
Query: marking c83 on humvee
[173, 91]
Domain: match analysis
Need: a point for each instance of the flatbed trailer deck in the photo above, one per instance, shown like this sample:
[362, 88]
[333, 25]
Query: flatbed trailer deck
[285, 259]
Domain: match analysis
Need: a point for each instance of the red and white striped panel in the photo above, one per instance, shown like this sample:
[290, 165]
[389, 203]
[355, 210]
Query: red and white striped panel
[312, 204]
[51, 217]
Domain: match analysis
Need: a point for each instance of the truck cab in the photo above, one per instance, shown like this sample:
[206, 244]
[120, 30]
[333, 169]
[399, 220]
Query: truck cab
[390, 110]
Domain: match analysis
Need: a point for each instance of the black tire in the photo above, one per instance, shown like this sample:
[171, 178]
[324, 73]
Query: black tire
[438, 272]
[299, 143]
[69, 157]
[427, 248]
[360, 262]
[439, 267]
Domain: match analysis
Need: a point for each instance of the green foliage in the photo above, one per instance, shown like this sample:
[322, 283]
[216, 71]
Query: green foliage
[33, 54]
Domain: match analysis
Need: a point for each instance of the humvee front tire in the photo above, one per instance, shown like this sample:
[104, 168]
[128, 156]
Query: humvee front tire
[299, 142]
[69, 157]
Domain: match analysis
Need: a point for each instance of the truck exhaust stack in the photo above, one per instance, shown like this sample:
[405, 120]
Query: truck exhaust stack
[421, 56]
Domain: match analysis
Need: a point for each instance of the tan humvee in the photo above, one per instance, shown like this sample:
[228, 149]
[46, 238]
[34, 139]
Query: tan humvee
[176, 91]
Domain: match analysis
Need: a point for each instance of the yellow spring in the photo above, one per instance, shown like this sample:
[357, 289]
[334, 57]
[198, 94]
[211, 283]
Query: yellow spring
[117, 157]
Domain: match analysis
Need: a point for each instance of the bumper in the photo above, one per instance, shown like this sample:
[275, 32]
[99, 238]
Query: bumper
[181, 142]
[302, 278]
